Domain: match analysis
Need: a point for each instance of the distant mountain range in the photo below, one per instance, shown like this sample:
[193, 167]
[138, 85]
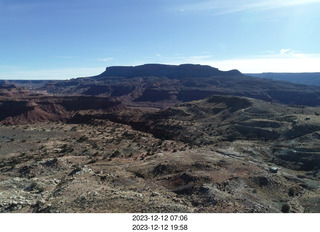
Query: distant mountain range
[161, 86]
[298, 78]
[158, 85]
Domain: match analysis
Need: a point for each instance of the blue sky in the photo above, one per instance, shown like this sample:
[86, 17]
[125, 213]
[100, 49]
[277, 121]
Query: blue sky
[63, 39]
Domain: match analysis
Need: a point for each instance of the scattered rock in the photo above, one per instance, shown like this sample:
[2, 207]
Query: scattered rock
[273, 169]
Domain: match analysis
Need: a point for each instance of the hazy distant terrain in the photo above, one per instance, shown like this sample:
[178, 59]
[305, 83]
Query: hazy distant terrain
[299, 78]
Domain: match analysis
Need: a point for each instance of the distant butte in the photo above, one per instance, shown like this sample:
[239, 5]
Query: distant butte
[162, 86]
[169, 71]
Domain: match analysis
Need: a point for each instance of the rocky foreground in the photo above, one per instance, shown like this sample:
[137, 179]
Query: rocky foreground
[220, 154]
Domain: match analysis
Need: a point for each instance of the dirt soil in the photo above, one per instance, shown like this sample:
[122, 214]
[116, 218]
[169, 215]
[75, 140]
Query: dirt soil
[110, 167]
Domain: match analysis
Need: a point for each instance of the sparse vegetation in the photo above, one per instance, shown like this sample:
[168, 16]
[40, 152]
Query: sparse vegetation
[66, 148]
[116, 153]
[291, 192]
[34, 186]
[285, 208]
[212, 161]
[82, 139]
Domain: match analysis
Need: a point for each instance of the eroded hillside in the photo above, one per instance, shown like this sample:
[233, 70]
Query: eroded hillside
[52, 108]
[220, 154]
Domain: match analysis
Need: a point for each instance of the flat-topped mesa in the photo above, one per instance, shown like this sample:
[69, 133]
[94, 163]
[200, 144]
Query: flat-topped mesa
[169, 71]
[162, 86]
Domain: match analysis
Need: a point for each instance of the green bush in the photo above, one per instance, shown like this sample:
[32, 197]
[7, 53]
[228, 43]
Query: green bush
[66, 148]
[115, 154]
[291, 192]
[35, 187]
[82, 139]
[285, 208]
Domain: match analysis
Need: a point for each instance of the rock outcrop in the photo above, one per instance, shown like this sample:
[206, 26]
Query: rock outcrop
[39, 109]
[10, 90]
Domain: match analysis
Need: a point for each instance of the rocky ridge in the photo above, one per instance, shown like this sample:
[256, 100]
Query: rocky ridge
[160, 86]
[45, 108]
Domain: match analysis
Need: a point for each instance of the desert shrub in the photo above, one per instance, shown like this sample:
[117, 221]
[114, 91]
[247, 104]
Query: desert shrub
[35, 187]
[291, 192]
[115, 154]
[92, 161]
[76, 169]
[94, 145]
[66, 148]
[285, 208]
[82, 139]
[51, 162]
[149, 153]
